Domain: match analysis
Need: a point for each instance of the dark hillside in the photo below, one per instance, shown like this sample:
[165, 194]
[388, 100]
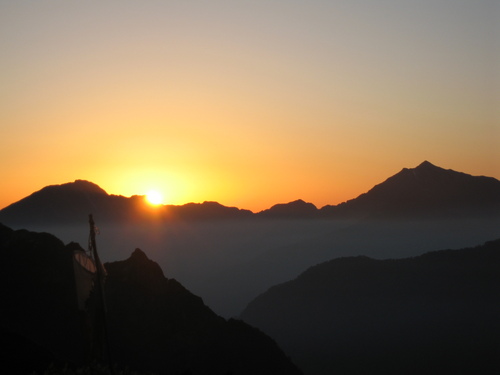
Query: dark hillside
[182, 333]
[155, 324]
[38, 292]
[436, 313]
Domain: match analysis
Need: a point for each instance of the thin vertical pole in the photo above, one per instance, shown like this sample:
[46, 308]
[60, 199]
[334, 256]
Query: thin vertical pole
[100, 288]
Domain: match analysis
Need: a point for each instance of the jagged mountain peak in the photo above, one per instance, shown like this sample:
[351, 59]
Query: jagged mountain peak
[426, 190]
[139, 255]
[139, 261]
[426, 167]
[426, 164]
[432, 176]
[139, 269]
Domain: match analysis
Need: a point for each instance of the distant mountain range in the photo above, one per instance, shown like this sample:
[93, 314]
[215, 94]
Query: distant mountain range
[424, 191]
[433, 314]
[68, 203]
[154, 323]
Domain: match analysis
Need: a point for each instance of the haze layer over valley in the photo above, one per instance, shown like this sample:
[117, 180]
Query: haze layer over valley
[229, 256]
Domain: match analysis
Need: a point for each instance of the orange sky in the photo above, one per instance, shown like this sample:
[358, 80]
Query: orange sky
[245, 103]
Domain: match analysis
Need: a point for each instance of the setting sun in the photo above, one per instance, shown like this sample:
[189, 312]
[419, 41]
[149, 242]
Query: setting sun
[154, 197]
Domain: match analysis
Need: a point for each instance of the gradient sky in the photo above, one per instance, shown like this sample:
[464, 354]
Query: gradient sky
[248, 103]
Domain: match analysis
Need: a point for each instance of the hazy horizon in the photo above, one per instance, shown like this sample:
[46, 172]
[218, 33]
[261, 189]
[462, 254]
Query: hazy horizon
[245, 103]
[145, 195]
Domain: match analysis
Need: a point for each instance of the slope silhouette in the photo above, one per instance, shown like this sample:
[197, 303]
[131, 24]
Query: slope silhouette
[67, 203]
[292, 210]
[182, 333]
[433, 314]
[424, 191]
[217, 251]
[421, 192]
[38, 292]
[155, 324]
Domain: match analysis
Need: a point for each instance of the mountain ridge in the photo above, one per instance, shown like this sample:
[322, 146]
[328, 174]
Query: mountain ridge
[434, 313]
[295, 209]
[423, 191]
[154, 323]
[426, 190]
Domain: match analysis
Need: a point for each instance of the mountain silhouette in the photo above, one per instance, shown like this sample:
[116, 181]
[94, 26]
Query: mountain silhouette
[154, 323]
[205, 211]
[38, 292]
[69, 202]
[424, 191]
[293, 210]
[435, 314]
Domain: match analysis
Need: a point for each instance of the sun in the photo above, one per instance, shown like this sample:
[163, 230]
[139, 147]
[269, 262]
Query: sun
[154, 197]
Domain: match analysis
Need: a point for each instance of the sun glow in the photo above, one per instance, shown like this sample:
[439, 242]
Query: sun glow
[154, 197]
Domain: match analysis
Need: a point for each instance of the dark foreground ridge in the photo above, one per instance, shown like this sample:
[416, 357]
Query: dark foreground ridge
[421, 192]
[154, 323]
[433, 314]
